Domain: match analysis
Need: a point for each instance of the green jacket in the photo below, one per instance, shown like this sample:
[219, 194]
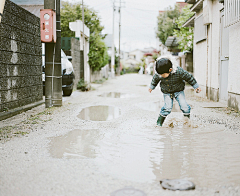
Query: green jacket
[175, 82]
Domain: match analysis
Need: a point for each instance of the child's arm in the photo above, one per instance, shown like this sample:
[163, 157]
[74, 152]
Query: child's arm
[154, 83]
[190, 79]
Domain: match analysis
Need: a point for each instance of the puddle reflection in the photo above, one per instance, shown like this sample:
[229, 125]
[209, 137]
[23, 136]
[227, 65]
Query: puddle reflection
[117, 95]
[206, 157]
[76, 144]
[99, 113]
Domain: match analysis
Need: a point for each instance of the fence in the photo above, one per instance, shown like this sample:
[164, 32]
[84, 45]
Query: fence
[231, 12]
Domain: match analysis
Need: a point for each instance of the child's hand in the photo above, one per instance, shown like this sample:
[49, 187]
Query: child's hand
[198, 90]
[150, 90]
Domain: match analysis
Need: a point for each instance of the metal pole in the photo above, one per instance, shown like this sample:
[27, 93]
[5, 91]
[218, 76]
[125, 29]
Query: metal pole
[119, 53]
[83, 41]
[113, 46]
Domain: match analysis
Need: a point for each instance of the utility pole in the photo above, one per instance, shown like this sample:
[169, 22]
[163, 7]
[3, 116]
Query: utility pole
[83, 44]
[113, 46]
[119, 53]
[2, 4]
[53, 70]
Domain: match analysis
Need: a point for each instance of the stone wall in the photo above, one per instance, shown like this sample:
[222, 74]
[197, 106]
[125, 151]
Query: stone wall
[20, 58]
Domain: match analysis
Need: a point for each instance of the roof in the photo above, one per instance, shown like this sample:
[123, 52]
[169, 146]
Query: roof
[149, 50]
[34, 9]
[197, 6]
[135, 51]
[181, 5]
[189, 22]
[171, 41]
[190, 1]
[28, 2]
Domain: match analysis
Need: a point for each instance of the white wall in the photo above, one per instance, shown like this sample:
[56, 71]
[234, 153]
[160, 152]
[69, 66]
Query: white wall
[206, 53]
[138, 53]
[200, 60]
[234, 59]
[215, 44]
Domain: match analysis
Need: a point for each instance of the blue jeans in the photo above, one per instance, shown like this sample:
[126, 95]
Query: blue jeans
[168, 103]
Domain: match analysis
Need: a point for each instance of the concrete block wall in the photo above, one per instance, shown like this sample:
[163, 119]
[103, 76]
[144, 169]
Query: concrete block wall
[20, 58]
[75, 52]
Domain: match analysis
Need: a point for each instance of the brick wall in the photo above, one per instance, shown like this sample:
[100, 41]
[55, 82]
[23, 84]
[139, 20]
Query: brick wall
[20, 58]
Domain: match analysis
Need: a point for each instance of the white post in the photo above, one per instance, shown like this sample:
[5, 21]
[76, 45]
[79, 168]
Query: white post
[2, 3]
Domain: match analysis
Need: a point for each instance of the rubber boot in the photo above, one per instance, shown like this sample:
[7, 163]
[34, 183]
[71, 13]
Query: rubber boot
[186, 115]
[160, 120]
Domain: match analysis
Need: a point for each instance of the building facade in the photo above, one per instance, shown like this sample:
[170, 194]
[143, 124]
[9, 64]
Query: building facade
[216, 50]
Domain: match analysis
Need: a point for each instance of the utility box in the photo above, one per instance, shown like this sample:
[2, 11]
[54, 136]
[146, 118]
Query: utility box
[48, 25]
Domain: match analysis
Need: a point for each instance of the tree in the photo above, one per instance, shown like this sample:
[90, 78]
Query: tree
[98, 56]
[184, 34]
[166, 23]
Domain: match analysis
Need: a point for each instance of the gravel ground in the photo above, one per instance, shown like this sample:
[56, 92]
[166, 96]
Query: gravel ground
[54, 152]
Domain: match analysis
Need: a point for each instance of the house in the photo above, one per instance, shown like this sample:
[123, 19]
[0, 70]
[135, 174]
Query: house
[216, 49]
[31, 6]
[181, 5]
[108, 41]
[28, 2]
[133, 59]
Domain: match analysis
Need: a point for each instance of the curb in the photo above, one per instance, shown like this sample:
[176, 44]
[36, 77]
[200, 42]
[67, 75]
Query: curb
[13, 112]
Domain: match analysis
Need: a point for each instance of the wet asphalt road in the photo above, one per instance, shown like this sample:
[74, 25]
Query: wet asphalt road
[106, 139]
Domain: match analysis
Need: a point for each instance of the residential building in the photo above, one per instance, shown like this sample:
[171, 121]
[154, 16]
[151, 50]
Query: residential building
[216, 56]
[133, 58]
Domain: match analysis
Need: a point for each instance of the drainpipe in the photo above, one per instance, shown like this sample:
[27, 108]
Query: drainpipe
[2, 3]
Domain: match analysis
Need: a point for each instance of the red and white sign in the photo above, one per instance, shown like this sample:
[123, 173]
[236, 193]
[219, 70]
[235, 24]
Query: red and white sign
[48, 25]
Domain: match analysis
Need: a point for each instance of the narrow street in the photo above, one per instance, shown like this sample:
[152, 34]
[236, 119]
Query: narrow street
[106, 139]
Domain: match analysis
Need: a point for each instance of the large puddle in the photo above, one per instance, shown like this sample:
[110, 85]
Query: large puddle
[117, 95]
[99, 113]
[202, 155]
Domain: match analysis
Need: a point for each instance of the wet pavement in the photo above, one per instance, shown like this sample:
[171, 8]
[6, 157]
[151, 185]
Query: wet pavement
[116, 95]
[97, 145]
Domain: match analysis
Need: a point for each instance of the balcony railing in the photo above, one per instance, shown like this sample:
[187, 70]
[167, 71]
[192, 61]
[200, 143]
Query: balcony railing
[231, 12]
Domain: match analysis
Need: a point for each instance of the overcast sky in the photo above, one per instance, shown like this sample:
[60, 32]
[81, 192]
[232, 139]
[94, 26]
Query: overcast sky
[138, 20]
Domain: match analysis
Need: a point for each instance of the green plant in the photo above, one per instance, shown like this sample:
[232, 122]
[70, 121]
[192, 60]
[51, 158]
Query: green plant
[70, 12]
[132, 69]
[5, 109]
[82, 85]
[166, 23]
[155, 56]
[100, 81]
[184, 34]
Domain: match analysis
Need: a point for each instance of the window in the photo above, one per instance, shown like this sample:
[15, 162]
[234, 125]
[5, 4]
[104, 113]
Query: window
[200, 30]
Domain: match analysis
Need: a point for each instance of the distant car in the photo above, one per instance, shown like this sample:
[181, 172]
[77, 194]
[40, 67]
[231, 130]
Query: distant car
[67, 74]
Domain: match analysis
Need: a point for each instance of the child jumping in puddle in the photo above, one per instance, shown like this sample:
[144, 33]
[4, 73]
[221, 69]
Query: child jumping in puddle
[172, 83]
